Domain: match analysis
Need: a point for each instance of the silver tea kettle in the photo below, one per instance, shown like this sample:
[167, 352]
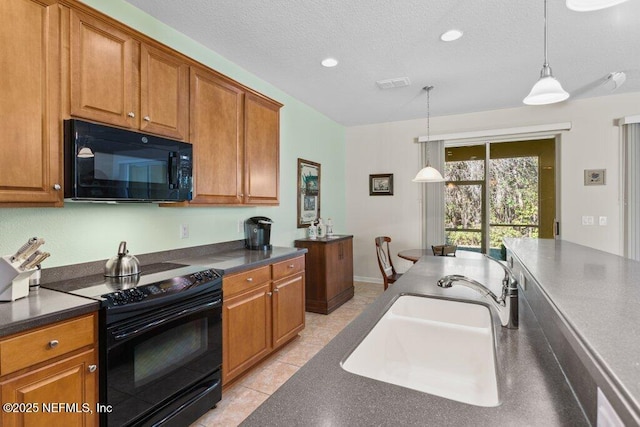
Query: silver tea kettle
[122, 264]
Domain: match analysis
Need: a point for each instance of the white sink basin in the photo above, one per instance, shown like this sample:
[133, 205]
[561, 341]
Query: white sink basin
[436, 346]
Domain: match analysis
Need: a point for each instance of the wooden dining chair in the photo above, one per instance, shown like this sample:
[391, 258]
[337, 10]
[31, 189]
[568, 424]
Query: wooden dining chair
[444, 250]
[389, 274]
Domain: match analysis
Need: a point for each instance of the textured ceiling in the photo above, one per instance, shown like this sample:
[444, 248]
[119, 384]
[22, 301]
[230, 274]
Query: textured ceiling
[493, 66]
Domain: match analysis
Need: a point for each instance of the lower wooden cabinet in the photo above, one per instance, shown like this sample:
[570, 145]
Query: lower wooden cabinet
[62, 393]
[49, 376]
[263, 309]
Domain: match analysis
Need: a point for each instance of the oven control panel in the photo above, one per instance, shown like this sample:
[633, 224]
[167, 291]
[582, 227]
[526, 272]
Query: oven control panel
[161, 289]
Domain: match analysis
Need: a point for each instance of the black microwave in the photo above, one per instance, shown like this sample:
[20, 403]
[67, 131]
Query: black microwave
[108, 164]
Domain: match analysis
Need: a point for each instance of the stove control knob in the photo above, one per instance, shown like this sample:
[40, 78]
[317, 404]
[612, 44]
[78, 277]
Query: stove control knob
[198, 276]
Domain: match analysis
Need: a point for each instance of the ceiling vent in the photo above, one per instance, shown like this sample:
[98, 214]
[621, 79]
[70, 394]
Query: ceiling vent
[391, 83]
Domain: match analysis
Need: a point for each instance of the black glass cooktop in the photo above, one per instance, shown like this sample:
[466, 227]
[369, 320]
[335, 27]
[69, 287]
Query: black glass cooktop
[97, 285]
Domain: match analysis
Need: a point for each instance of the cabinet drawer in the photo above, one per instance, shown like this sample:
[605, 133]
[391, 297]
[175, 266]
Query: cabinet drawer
[45, 343]
[237, 283]
[288, 267]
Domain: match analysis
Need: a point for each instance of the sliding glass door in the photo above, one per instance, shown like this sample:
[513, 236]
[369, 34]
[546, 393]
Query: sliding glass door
[497, 190]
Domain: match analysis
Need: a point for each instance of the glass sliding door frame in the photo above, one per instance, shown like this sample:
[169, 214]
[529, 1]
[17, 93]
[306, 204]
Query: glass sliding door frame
[545, 151]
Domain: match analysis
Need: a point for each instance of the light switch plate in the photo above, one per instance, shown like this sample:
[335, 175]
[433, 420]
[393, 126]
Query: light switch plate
[602, 220]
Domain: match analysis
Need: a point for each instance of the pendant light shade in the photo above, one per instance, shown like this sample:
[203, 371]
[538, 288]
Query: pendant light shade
[547, 90]
[589, 5]
[428, 173]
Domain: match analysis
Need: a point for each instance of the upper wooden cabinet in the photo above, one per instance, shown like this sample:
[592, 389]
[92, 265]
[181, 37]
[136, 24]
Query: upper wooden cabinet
[63, 59]
[104, 80]
[164, 93]
[262, 145]
[236, 140]
[30, 141]
[217, 118]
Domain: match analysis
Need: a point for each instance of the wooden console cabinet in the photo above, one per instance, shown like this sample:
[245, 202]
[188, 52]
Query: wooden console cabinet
[329, 267]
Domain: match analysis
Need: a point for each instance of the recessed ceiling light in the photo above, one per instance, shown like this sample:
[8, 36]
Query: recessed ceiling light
[451, 35]
[329, 62]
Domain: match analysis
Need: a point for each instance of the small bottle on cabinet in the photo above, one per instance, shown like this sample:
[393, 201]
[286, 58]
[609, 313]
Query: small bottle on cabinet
[321, 229]
[329, 227]
[313, 231]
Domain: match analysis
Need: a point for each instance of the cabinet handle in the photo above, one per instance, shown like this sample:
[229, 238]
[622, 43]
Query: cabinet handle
[147, 118]
[53, 343]
[131, 114]
[241, 195]
[249, 279]
[92, 368]
[269, 294]
[291, 265]
[57, 187]
[276, 290]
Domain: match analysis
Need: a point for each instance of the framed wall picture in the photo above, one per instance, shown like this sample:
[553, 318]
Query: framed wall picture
[308, 192]
[594, 176]
[381, 184]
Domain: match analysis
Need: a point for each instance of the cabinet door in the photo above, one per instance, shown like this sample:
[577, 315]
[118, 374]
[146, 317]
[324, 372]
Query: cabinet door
[339, 267]
[69, 381]
[102, 72]
[345, 255]
[288, 308]
[164, 94]
[246, 333]
[216, 133]
[262, 156]
[31, 139]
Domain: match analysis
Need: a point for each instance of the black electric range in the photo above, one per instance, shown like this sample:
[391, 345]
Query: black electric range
[160, 343]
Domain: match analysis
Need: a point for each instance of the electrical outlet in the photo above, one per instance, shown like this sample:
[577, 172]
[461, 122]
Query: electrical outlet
[184, 231]
[587, 220]
[602, 220]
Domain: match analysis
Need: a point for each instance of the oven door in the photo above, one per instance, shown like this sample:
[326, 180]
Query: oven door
[155, 359]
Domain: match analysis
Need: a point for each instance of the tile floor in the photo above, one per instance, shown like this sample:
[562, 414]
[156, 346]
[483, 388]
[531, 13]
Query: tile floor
[249, 392]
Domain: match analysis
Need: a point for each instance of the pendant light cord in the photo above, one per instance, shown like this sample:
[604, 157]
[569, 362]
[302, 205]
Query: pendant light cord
[428, 89]
[546, 62]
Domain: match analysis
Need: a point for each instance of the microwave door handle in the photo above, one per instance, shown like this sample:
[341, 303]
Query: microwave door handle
[173, 169]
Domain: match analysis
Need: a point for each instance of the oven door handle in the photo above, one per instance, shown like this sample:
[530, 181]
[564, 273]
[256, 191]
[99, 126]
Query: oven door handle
[155, 323]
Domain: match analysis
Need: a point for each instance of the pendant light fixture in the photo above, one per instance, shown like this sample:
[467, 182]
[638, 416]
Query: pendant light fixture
[547, 90]
[589, 5]
[428, 173]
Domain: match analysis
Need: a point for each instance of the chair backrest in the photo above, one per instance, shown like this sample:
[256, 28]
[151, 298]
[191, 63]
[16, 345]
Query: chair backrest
[444, 250]
[384, 258]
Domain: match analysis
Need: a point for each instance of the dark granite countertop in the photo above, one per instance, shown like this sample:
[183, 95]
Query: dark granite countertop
[241, 259]
[532, 388]
[598, 296]
[40, 308]
[51, 305]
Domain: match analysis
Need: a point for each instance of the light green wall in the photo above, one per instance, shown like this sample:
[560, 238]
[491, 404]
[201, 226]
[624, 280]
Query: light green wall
[82, 232]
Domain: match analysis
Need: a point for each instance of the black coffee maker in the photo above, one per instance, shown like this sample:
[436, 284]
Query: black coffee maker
[257, 233]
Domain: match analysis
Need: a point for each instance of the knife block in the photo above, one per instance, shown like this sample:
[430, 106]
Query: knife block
[14, 284]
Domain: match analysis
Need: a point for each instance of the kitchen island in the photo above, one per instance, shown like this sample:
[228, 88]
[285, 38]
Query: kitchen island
[532, 387]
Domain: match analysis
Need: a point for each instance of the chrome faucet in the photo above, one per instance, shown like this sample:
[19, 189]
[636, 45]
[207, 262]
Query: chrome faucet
[506, 305]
